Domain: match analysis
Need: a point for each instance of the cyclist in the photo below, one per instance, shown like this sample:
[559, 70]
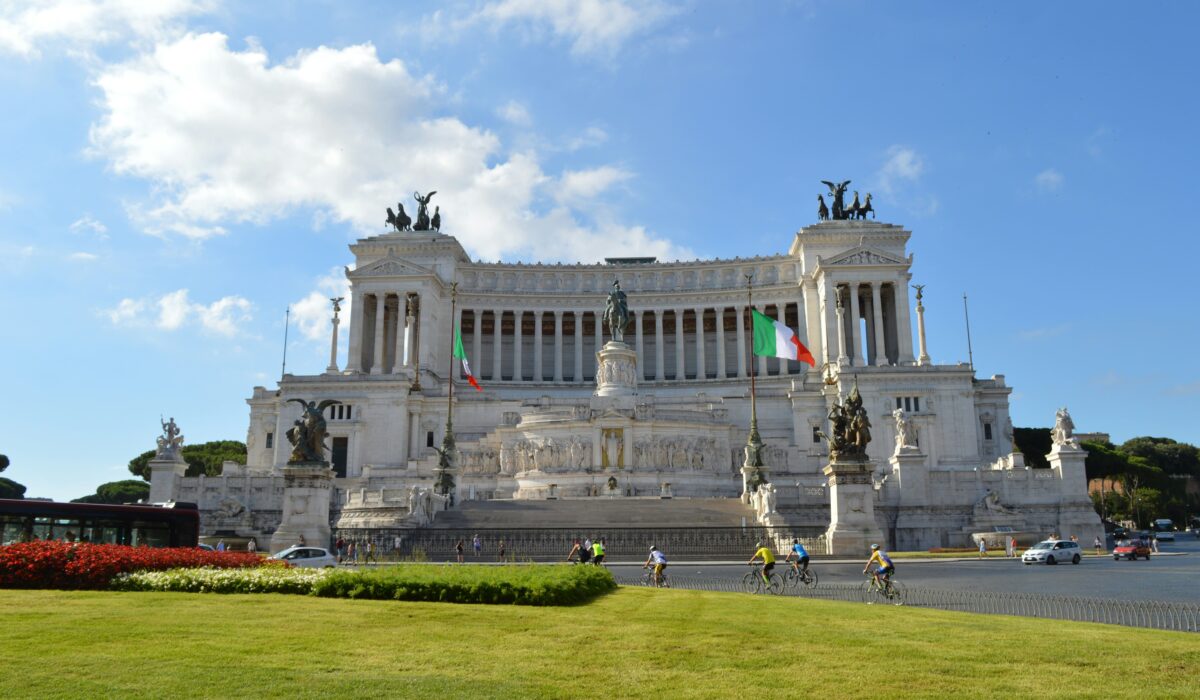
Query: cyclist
[801, 563]
[660, 563]
[598, 552]
[768, 558]
[885, 566]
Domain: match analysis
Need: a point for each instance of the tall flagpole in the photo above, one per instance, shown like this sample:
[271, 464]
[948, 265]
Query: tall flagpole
[287, 322]
[752, 472]
[445, 479]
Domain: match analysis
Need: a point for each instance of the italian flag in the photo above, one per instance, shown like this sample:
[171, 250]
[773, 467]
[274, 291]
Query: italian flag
[773, 339]
[461, 354]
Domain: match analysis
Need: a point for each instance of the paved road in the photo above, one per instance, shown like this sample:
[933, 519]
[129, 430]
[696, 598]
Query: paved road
[1174, 578]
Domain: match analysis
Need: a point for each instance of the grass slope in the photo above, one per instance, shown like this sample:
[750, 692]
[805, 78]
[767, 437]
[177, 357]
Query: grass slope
[631, 643]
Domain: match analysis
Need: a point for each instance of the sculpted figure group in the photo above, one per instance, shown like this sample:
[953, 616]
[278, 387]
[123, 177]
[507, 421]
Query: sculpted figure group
[170, 441]
[399, 220]
[840, 212]
[1063, 433]
[307, 434]
[851, 428]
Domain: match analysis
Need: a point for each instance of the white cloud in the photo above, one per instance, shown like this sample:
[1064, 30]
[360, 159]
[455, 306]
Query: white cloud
[83, 257]
[80, 25]
[87, 223]
[175, 310]
[577, 186]
[225, 136]
[514, 113]
[312, 314]
[593, 27]
[903, 165]
[1049, 180]
[591, 137]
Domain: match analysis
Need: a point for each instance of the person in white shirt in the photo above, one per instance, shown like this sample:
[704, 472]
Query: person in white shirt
[660, 562]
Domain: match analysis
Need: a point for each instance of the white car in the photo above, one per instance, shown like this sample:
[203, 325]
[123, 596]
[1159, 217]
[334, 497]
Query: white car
[1165, 536]
[311, 557]
[1053, 552]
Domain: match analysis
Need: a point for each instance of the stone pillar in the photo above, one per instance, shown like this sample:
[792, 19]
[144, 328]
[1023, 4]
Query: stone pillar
[418, 334]
[880, 349]
[477, 338]
[721, 342]
[680, 368]
[558, 346]
[333, 363]
[577, 374]
[537, 346]
[843, 359]
[639, 346]
[852, 527]
[924, 358]
[165, 474]
[518, 340]
[401, 358]
[380, 309]
[497, 344]
[1076, 514]
[410, 331]
[741, 342]
[904, 342]
[415, 439]
[701, 371]
[659, 357]
[307, 488]
[616, 375]
[354, 362]
[812, 320]
[855, 335]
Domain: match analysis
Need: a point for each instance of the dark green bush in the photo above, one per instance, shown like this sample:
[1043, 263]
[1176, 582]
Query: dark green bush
[507, 585]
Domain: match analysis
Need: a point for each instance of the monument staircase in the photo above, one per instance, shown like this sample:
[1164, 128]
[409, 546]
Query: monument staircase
[544, 530]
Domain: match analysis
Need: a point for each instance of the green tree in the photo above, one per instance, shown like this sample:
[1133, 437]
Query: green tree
[8, 487]
[205, 458]
[1168, 455]
[127, 491]
[1035, 444]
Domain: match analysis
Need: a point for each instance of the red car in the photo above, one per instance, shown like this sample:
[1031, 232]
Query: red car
[1131, 549]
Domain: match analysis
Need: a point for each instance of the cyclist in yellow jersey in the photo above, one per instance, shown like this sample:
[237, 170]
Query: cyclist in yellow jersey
[884, 568]
[768, 558]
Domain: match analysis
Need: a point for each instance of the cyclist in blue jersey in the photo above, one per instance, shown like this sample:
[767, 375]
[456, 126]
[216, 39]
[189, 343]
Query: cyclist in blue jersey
[801, 554]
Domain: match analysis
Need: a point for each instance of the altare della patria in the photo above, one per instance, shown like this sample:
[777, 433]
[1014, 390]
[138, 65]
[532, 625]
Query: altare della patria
[624, 399]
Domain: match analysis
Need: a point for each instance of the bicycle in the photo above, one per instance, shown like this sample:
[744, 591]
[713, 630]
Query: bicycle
[753, 582]
[648, 579]
[887, 591]
[795, 578]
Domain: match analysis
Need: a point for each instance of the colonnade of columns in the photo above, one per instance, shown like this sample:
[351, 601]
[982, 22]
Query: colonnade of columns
[385, 332]
[874, 321]
[673, 344]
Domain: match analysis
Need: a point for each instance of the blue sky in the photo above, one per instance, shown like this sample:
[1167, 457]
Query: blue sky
[173, 175]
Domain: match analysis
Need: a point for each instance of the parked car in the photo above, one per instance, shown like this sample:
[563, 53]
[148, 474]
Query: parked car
[1053, 552]
[311, 557]
[1131, 549]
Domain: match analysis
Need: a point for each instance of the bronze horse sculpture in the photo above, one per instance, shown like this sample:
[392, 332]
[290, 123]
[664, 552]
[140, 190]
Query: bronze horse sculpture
[401, 221]
[861, 212]
[822, 210]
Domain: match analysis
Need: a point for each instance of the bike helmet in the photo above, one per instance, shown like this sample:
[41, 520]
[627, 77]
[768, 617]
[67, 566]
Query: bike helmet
[653, 547]
[874, 547]
[757, 544]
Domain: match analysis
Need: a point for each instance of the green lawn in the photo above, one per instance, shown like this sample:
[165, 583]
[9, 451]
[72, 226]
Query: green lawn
[631, 643]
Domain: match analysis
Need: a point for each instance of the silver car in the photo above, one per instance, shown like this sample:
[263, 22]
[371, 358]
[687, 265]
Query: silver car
[1053, 552]
[310, 557]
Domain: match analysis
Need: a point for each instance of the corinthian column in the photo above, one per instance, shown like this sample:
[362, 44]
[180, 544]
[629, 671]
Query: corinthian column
[877, 306]
[537, 347]
[741, 342]
[701, 371]
[558, 346]
[680, 370]
[518, 341]
[659, 357]
[380, 308]
[721, 342]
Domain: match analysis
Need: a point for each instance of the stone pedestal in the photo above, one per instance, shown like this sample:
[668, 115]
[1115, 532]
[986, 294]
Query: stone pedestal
[912, 476]
[307, 488]
[165, 474]
[1076, 514]
[616, 370]
[852, 527]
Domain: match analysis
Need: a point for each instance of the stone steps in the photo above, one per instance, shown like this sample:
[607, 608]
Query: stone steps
[596, 512]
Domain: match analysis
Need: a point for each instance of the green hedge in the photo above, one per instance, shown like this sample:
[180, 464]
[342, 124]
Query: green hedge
[497, 585]
[513, 585]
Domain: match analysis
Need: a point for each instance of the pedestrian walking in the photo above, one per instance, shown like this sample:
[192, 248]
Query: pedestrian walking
[982, 548]
[340, 548]
[478, 545]
[458, 550]
[252, 546]
[221, 545]
[351, 553]
[1099, 545]
[370, 553]
[500, 557]
[1010, 545]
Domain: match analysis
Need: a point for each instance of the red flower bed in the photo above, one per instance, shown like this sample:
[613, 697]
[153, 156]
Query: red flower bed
[63, 565]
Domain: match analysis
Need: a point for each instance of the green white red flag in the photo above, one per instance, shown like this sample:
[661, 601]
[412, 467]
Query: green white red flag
[461, 354]
[774, 339]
